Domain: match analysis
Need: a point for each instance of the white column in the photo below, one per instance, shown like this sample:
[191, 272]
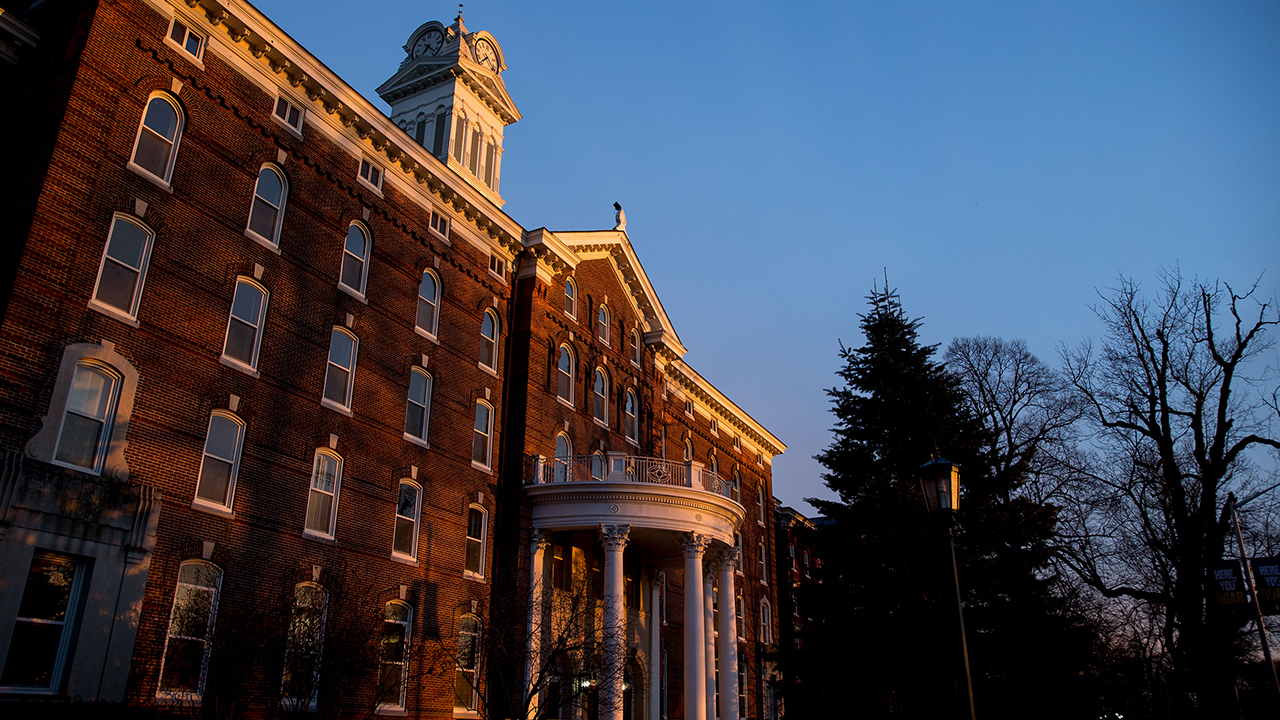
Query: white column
[614, 539]
[533, 676]
[728, 636]
[709, 632]
[695, 644]
[657, 581]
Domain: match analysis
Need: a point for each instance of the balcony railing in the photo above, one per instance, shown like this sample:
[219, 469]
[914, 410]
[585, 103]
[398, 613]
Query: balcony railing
[617, 467]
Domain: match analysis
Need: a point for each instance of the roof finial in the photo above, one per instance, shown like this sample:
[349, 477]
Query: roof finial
[619, 217]
[459, 18]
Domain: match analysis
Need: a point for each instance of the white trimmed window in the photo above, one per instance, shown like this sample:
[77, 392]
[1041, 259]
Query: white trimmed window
[289, 114]
[40, 647]
[688, 449]
[267, 211]
[86, 423]
[440, 224]
[482, 436]
[371, 174]
[477, 533]
[630, 410]
[159, 134]
[397, 624]
[714, 425]
[600, 397]
[428, 304]
[465, 690]
[355, 260]
[570, 298]
[736, 488]
[498, 266]
[183, 37]
[597, 466]
[489, 340]
[186, 648]
[688, 408]
[564, 375]
[564, 455]
[635, 348]
[766, 622]
[305, 647]
[341, 369]
[221, 460]
[737, 443]
[602, 324]
[740, 611]
[417, 414]
[405, 541]
[763, 564]
[244, 326]
[322, 500]
[760, 504]
[123, 270]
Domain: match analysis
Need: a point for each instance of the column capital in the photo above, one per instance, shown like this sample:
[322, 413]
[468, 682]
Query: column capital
[693, 544]
[658, 577]
[539, 539]
[614, 537]
[728, 558]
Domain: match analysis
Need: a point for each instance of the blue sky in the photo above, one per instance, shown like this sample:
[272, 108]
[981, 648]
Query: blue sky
[1002, 161]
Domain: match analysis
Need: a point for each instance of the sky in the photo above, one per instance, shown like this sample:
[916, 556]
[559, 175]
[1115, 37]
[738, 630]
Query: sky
[1001, 163]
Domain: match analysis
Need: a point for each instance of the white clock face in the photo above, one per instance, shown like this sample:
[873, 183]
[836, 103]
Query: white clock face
[486, 55]
[429, 43]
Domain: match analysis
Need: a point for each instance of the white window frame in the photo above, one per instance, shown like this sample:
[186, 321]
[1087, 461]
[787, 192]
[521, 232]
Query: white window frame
[44, 445]
[563, 459]
[487, 465]
[600, 397]
[412, 555]
[257, 325]
[472, 672]
[492, 316]
[359, 292]
[328, 533]
[562, 375]
[344, 407]
[766, 622]
[272, 242]
[201, 40]
[482, 541]
[129, 316]
[283, 119]
[215, 593]
[598, 457]
[371, 174]
[106, 434]
[316, 642]
[403, 662]
[498, 267]
[70, 620]
[764, 562]
[426, 408]
[631, 417]
[635, 347]
[760, 504]
[603, 319]
[165, 179]
[234, 461]
[688, 408]
[571, 299]
[434, 302]
[439, 224]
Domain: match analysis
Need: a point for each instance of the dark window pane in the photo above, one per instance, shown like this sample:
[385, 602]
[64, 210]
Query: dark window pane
[352, 270]
[318, 512]
[33, 652]
[240, 341]
[193, 44]
[248, 303]
[182, 662]
[215, 477]
[179, 32]
[263, 219]
[473, 555]
[191, 608]
[79, 442]
[48, 589]
[414, 415]
[403, 542]
[335, 385]
[426, 316]
[128, 241]
[480, 449]
[408, 504]
[153, 153]
[117, 285]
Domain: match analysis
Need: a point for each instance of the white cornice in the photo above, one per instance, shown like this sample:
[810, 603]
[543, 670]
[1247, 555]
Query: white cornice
[693, 383]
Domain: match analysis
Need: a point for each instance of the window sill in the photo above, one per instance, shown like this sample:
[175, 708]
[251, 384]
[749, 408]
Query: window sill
[273, 247]
[500, 278]
[564, 402]
[147, 174]
[482, 468]
[319, 536]
[633, 441]
[600, 422]
[473, 576]
[486, 368]
[417, 441]
[294, 131]
[427, 335]
[326, 402]
[460, 713]
[403, 559]
[112, 312]
[183, 53]
[391, 711]
[237, 365]
[353, 292]
[377, 190]
[212, 508]
[177, 698]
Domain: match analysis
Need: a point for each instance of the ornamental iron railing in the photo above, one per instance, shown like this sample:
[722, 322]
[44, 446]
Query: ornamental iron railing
[617, 467]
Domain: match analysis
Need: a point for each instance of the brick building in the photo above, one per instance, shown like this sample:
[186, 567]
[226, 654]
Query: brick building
[294, 414]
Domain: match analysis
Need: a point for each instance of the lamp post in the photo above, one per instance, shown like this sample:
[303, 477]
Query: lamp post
[940, 483]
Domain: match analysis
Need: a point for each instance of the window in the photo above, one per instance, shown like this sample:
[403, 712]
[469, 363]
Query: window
[428, 304]
[760, 459]
[712, 464]
[221, 463]
[631, 426]
[267, 212]
[597, 466]
[740, 610]
[742, 685]
[477, 522]
[86, 424]
[289, 114]
[156, 146]
[459, 134]
[564, 375]
[763, 565]
[473, 157]
[464, 678]
[602, 328]
[570, 298]
[635, 348]
[766, 622]
[371, 174]
[186, 646]
[480, 439]
[688, 408]
[564, 453]
[123, 268]
[735, 490]
[497, 266]
[182, 36]
[355, 260]
[688, 449]
[322, 501]
[340, 369]
[760, 503]
[397, 623]
[442, 127]
[417, 414]
[714, 425]
[600, 397]
[737, 544]
[489, 340]
[491, 164]
[244, 327]
[405, 540]
[301, 682]
[440, 224]
[737, 443]
[41, 642]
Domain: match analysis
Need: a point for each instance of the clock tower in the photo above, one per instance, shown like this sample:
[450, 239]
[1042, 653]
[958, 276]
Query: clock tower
[448, 95]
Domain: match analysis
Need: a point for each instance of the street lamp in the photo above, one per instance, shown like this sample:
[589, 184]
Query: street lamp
[940, 484]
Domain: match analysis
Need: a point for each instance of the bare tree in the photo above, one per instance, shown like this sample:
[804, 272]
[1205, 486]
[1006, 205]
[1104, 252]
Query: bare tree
[1177, 396]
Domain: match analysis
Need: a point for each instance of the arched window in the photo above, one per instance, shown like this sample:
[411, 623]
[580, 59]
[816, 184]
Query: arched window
[570, 298]
[244, 326]
[124, 267]
[397, 633]
[635, 347]
[88, 417]
[489, 340]
[267, 211]
[602, 325]
[629, 413]
[564, 453]
[564, 375]
[301, 682]
[420, 128]
[760, 503]
[736, 488]
[156, 146]
[712, 464]
[322, 500]
[191, 620]
[688, 449]
[766, 622]
[477, 534]
[482, 435]
[740, 612]
[600, 397]
[428, 304]
[459, 136]
[465, 690]
[341, 369]
[405, 540]
[417, 414]
[217, 482]
[355, 260]
[597, 466]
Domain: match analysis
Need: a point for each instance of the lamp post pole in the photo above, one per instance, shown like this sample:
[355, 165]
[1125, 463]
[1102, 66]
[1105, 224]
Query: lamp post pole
[964, 643]
[940, 483]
